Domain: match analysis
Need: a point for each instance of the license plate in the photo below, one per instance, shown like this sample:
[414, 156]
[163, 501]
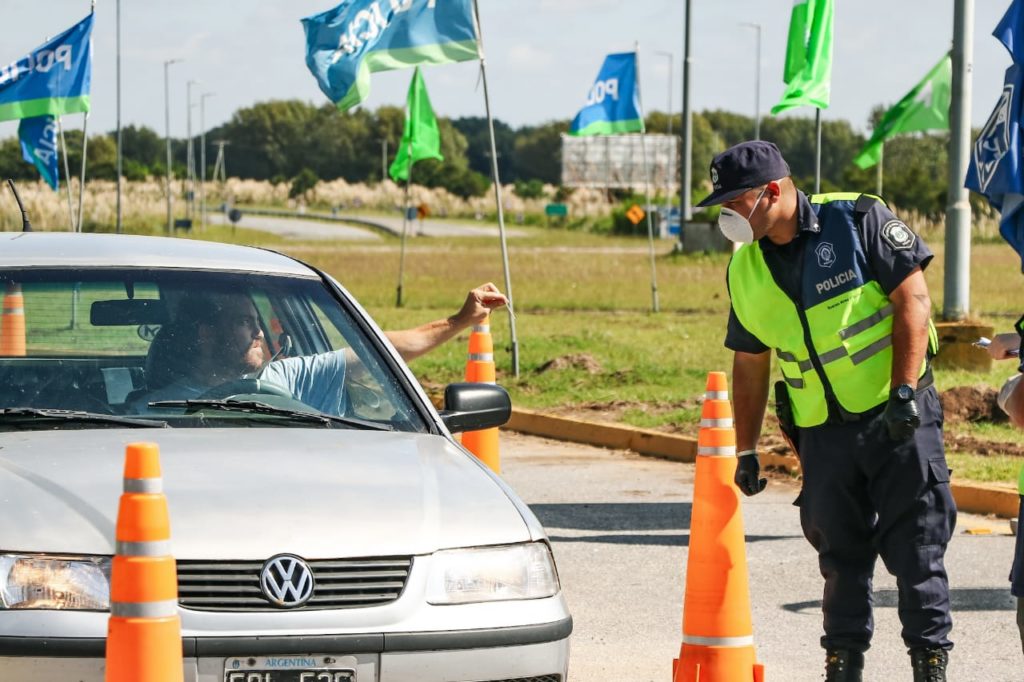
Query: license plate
[299, 668]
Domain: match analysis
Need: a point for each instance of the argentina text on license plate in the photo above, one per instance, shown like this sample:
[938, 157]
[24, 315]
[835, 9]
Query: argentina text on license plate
[290, 668]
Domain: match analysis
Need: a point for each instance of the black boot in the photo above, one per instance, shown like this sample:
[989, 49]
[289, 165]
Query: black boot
[929, 664]
[843, 665]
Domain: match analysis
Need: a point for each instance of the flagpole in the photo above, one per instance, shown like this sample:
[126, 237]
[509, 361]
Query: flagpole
[647, 187]
[405, 229]
[497, 192]
[67, 172]
[81, 184]
[878, 177]
[817, 151]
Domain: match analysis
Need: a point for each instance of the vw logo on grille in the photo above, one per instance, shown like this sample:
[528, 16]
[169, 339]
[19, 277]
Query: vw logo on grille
[286, 581]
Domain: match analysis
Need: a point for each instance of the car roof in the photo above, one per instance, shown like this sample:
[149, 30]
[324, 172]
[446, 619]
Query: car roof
[68, 249]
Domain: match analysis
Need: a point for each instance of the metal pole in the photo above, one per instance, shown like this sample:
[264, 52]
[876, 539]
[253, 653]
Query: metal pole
[202, 158]
[190, 155]
[497, 193]
[167, 131]
[120, 168]
[757, 82]
[685, 207]
[817, 151]
[957, 285]
[81, 183]
[647, 190]
[67, 173]
[405, 230]
[878, 176]
[383, 159]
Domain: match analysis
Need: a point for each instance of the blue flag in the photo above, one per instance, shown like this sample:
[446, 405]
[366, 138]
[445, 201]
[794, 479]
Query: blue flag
[345, 44]
[52, 79]
[38, 136]
[995, 169]
[613, 103]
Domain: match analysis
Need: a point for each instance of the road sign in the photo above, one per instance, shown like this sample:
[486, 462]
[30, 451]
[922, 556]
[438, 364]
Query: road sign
[635, 214]
[560, 210]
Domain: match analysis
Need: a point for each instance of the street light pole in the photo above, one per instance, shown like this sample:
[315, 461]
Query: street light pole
[202, 158]
[757, 81]
[190, 154]
[957, 284]
[167, 131]
[685, 212]
[120, 167]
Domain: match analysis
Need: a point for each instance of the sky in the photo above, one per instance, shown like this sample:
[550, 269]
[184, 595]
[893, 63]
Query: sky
[542, 56]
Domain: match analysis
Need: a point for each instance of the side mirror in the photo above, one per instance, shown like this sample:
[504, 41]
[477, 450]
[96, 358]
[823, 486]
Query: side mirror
[474, 407]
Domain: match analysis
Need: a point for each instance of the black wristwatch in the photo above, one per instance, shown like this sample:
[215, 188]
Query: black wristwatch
[904, 393]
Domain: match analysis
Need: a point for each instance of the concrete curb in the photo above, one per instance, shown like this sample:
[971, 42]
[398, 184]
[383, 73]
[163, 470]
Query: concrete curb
[976, 498]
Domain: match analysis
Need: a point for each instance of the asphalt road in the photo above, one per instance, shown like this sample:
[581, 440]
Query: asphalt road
[619, 524]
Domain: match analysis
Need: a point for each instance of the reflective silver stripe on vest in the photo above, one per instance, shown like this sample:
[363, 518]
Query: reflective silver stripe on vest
[871, 350]
[716, 395]
[724, 451]
[482, 328]
[148, 609]
[151, 548]
[144, 485]
[805, 365]
[795, 383]
[866, 323]
[718, 641]
[716, 423]
[481, 357]
[833, 355]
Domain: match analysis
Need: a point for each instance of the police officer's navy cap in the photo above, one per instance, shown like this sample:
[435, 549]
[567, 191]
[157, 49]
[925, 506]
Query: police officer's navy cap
[743, 167]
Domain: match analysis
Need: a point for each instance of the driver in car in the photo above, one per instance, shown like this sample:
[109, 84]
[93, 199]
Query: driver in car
[216, 340]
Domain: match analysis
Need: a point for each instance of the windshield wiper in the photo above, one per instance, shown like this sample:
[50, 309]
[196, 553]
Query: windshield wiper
[30, 413]
[258, 407]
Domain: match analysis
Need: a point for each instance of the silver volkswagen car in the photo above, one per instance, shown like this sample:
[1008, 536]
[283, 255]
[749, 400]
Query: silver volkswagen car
[337, 532]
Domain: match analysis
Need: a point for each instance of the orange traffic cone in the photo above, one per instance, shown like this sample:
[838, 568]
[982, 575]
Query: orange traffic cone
[144, 633]
[480, 369]
[718, 636]
[12, 324]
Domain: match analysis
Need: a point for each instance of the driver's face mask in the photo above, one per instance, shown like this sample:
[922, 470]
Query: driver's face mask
[735, 227]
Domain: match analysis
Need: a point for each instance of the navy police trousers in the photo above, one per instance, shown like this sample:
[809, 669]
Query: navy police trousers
[866, 496]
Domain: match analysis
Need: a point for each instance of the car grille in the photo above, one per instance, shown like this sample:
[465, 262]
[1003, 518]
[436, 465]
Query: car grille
[340, 584]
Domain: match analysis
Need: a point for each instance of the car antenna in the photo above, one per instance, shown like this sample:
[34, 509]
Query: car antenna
[26, 226]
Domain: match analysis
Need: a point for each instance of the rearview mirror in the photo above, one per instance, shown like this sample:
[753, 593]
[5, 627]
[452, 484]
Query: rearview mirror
[474, 407]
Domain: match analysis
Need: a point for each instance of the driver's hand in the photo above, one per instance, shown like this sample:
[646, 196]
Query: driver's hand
[479, 304]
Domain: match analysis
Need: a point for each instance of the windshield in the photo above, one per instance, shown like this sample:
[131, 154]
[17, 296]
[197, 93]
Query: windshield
[186, 348]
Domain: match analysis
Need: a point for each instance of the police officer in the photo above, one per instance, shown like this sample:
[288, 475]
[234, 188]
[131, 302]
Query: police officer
[1011, 400]
[832, 286]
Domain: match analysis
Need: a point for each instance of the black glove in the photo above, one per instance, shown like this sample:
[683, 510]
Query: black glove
[747, 470]
[901, 416]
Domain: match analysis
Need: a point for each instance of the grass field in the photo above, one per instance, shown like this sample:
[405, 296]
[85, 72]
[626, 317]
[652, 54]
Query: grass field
[586, 299]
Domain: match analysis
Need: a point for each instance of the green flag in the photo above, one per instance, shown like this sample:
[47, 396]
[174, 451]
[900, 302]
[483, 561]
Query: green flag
[925, 107]
[808, 70]
[421, 136]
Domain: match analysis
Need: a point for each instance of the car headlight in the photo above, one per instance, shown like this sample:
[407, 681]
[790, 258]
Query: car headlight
[45, 582]
[486, 574]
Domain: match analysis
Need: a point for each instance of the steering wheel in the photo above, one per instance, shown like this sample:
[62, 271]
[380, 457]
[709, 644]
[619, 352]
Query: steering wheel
[230, 389]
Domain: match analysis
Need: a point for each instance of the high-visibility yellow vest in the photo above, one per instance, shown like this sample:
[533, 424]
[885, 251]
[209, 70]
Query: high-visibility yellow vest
[834, 344]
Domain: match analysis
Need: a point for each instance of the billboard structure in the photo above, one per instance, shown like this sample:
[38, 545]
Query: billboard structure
[617, 161]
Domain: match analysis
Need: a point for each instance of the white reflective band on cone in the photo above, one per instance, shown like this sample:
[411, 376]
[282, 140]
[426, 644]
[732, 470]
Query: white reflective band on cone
[144, 485]
[482, 328]
[716, 395]
[719, 641]
[151, 548]
[724, 451]
[147, 609]
[716, 423]
[482, 357]
[13, 311]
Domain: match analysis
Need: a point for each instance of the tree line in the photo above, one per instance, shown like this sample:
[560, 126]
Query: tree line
[282, 140]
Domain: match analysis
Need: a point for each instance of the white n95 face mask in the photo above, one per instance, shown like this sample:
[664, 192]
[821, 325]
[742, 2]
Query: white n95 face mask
[735, 227]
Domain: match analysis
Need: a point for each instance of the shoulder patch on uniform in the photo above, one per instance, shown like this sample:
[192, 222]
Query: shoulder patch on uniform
[898, 236]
